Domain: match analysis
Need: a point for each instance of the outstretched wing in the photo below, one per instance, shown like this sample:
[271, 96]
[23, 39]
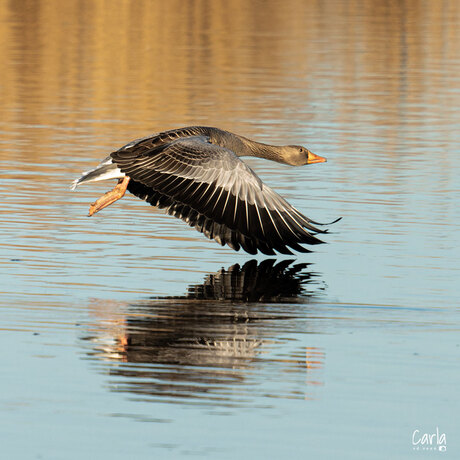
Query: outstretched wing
[210, 188]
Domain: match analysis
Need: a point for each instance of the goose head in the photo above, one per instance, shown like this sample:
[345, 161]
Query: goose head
[296, 155]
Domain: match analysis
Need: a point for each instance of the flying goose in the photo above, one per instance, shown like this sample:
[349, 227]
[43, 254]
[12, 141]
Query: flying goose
[195, 173]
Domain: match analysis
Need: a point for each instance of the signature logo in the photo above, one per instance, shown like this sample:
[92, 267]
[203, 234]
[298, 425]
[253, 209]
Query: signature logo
[429, 441]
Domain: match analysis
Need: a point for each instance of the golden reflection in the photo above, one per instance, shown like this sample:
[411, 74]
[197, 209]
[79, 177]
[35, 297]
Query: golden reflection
[133, 67]
[202, 344]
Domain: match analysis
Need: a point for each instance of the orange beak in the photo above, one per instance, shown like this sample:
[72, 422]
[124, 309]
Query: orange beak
[312, 158]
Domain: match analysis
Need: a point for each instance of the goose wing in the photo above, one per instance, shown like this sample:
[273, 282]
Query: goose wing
[210, 188]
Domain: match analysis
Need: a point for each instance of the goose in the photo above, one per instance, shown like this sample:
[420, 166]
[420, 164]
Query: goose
[196, 174]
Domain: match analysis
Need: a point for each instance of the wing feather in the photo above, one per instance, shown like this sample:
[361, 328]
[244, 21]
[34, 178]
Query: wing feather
[211, 189]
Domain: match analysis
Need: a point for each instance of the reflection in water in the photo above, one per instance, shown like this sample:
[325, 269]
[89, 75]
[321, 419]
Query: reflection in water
[263, 282]
[200, 346]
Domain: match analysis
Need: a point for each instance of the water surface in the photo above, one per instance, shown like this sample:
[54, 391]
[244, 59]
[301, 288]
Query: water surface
[130, 334]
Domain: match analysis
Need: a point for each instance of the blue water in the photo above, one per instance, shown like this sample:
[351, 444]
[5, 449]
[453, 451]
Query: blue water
[129, 334]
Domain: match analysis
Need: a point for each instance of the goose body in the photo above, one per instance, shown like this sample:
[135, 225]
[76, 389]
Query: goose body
[195, 173]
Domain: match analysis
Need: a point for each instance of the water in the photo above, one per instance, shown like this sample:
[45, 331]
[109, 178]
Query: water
[130, 334]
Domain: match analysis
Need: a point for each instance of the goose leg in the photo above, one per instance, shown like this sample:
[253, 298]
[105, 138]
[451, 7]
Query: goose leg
[110, 197]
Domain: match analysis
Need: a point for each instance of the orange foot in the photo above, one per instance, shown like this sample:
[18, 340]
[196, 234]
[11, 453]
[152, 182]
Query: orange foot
[110, 197]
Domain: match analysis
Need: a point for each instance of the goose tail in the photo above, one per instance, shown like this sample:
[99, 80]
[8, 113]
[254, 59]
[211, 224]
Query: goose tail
[104, 171]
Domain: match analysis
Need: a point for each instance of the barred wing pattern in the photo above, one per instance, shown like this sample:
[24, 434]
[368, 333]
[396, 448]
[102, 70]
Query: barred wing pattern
[211, 189]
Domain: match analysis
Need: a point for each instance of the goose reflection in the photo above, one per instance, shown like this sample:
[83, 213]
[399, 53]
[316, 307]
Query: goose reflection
[266, 281]
[231, 330]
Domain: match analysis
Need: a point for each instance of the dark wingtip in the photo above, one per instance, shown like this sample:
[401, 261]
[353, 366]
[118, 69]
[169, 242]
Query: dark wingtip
[299, 248]
[326, 223]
